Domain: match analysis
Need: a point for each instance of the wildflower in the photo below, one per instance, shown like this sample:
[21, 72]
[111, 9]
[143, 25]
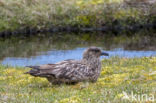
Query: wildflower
[2, 78]
[10, 71]
[80, 2]
[120, 95]
[73, 99]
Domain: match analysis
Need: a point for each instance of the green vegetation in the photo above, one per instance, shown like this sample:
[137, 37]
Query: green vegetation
[118, 76]
[46, 14]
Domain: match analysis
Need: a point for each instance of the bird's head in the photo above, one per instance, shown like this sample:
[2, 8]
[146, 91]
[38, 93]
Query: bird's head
[93, 52]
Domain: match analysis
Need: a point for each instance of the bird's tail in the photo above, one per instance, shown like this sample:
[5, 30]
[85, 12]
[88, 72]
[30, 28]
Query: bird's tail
[38, 72]
[35, 71]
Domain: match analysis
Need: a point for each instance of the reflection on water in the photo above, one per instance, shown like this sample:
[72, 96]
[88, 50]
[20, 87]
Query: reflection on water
[59, 55]
[52, 48]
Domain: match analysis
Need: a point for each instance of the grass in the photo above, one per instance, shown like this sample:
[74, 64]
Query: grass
[118, 76]
[40, 14]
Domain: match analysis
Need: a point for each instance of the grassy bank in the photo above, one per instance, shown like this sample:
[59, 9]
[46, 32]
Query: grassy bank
[28, 16]
[118, 76]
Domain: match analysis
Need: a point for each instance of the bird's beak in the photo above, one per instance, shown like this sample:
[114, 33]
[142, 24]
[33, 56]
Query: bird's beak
[105, 54]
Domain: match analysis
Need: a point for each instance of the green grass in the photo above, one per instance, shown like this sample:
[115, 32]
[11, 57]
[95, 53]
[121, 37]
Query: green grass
[41, 14]
[118, 76]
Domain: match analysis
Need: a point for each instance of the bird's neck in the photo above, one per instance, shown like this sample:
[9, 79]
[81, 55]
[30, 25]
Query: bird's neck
[92, 60]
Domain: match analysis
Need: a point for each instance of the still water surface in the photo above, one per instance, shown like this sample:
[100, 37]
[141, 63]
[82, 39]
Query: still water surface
[53, 48]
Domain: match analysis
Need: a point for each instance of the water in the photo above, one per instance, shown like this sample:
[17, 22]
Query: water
[59, 55]
[36, 50]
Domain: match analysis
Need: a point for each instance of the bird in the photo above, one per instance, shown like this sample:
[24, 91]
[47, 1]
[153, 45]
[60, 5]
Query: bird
[72, 71]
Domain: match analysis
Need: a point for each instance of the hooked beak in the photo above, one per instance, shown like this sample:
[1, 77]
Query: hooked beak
[105, 54]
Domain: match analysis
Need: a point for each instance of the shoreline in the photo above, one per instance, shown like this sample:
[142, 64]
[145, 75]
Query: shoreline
[32, 17]
[114, 29]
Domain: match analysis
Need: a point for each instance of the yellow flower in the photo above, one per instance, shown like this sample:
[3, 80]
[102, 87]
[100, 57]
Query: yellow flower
[103, 72]
[2, 78]
[73, 99]
[10, 71]
[120, 95]
[79, 2]
[100, 1]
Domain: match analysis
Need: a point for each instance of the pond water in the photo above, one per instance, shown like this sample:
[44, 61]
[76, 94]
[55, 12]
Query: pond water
[52, 48]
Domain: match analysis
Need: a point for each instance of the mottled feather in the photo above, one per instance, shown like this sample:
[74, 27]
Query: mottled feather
[71, 71]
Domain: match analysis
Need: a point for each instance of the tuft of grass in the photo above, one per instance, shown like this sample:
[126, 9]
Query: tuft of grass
[118, 76]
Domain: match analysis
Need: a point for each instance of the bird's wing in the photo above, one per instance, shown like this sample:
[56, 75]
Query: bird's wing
[70, 70]
[64, 69]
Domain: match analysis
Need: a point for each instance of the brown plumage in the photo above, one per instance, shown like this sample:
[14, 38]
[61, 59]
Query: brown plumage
[72, 71]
